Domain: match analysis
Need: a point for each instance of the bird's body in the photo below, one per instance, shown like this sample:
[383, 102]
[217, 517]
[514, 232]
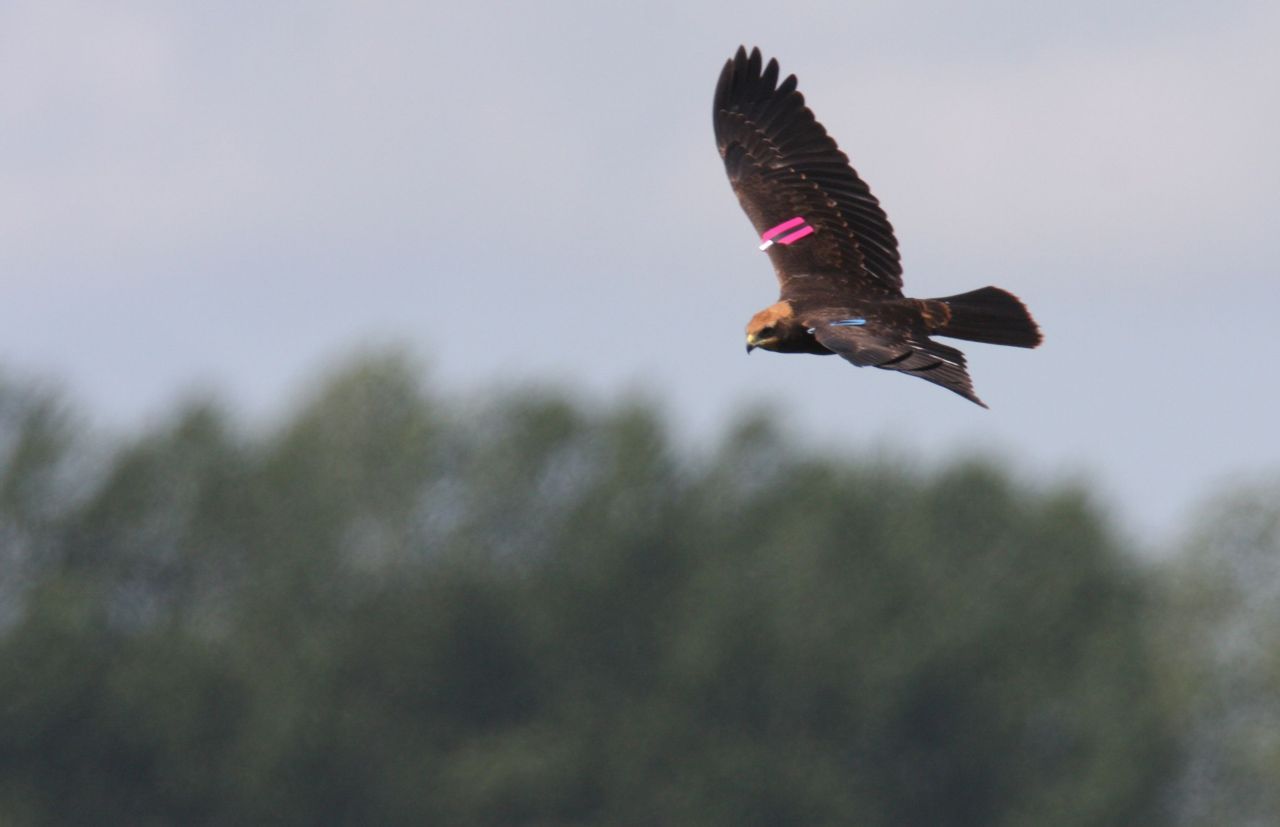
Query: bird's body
[833, 248]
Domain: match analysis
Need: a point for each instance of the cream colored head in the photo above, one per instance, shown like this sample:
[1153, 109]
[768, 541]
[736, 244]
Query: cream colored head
[770, 326]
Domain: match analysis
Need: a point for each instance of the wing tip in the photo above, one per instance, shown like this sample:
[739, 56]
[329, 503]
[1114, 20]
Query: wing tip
[750, 65]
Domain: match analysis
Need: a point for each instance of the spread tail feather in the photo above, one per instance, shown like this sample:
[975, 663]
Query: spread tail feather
[989, 315]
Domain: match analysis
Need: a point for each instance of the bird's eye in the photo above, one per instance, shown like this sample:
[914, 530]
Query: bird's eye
[766, 333]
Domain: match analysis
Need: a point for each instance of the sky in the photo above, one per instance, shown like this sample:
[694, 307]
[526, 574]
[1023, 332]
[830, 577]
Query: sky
[229, 196]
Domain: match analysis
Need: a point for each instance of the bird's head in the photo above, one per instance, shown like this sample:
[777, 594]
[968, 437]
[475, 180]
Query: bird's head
[771, 327]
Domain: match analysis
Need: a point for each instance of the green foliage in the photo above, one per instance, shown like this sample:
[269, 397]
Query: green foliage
[1220, 640]
[400, 610]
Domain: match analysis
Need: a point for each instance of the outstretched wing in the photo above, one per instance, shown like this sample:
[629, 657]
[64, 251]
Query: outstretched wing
[784, 166]
[875, 344]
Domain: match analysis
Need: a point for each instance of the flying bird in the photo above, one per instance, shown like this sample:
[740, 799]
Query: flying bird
[832, 247]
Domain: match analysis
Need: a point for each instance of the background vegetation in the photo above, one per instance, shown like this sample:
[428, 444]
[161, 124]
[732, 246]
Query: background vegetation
[396, 608]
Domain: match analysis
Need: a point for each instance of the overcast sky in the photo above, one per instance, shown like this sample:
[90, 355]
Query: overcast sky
[230, 195]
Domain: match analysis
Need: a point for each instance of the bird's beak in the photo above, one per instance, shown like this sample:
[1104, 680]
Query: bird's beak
[751, 343]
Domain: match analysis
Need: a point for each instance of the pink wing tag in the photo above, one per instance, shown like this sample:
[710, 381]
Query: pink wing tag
[797, 227]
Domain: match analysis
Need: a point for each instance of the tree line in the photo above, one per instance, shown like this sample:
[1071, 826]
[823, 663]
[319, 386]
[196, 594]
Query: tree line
[395, 606]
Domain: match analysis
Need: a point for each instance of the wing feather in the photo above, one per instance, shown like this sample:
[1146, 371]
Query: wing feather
[889, 348]
[782, 163]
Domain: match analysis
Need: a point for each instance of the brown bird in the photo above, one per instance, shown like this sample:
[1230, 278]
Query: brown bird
[833, 248]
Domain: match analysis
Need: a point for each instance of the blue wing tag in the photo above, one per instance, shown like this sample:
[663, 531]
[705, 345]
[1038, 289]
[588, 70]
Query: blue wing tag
[859, 322]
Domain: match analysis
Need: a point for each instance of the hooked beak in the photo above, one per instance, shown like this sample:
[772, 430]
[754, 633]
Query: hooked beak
[751, 343]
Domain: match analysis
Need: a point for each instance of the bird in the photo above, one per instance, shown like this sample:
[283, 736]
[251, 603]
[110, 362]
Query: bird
[832, 246]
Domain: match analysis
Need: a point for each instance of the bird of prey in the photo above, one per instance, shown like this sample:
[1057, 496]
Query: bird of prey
[832, 247]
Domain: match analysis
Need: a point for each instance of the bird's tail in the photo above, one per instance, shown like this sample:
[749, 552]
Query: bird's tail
[989, 315]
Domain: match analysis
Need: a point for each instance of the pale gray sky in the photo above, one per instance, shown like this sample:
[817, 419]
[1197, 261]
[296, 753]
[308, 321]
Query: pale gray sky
[229, 195]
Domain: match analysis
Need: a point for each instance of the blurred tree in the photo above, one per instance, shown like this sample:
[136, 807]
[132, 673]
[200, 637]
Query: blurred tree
[1220, 636]
[398, 610]
[37, 485]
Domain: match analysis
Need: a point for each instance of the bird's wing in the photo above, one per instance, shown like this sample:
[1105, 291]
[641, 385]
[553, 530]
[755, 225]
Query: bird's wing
[869, 344]
[789, 175]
